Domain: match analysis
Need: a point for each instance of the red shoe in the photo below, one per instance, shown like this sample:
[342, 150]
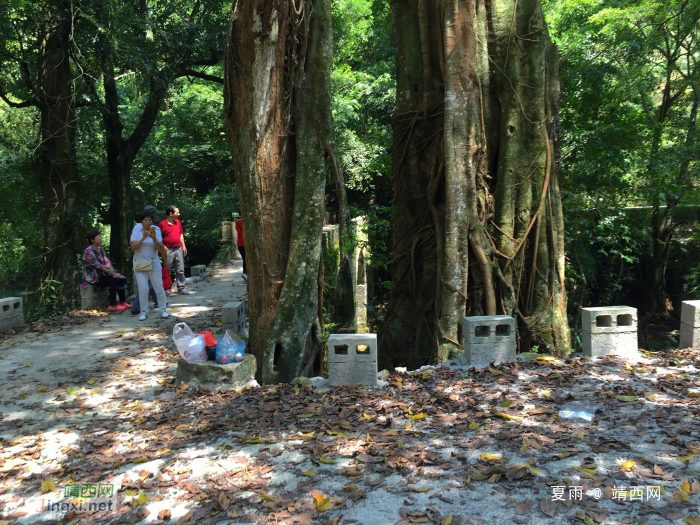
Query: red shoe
[125, 305]
[116, 308]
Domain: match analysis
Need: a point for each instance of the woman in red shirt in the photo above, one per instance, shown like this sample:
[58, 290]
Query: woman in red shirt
[241, 245]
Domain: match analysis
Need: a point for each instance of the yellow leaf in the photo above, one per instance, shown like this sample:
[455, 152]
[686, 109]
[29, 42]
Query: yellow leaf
[309, 472]
[367, 416]
[535, 470]
[304, 416]
[447, 520]
[219, 323]
[42, 389]
[473, 426]
[140, 420]
[131, 493]
[495, 372]
[554, 376]
[390, 433]
[407, 426]
[309, 434]
[91, 382]
[579, 435]
[164, 451]
[692, 520]
[686, 458]
[491, 456]
[693, 394]
[628, 464]
[685, 487]
[266, 497]
[545, 393]
[325, 460]
[681, 496]
[509, 418]
[143, 498]
[649, 396]
[47, 486]
[94, 391]
[253, 441]
[627, 398]
[418, 416]
[140, 460]
[546, 358]
[28, 364]
[505, 403]
[586, 471]
[322, 503]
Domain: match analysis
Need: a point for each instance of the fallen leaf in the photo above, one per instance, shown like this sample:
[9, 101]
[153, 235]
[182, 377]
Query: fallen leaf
[681, 496]
[165, 514]
[491, 456]
[686, 458]
[322, 503]
[253, 441]
[627, 398]
[685, 487]
[47, 486]
[447, 520]
[42, 389]
[586, 471]
[505, 403]
[325, 460]
[628, 464]
[418, 416]
[473, 426]
[28, 364]
[309, 472]
[692, 520]
[131, 493]
[266, 497]
[524, 507]
[143, 498]
[91, 382]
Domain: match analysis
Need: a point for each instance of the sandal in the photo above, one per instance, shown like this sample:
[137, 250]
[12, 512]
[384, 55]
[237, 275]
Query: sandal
[119, 307]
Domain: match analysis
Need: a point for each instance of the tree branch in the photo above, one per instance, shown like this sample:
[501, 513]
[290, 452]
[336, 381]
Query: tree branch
[203, 76]
[23, 104]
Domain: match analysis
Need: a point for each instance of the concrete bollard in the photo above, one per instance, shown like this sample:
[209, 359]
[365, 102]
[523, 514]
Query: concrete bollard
[610, 330]
[93, 297]
[690, 325]
[11, 313]
[197, 270]
[233, 317]
[352, 359]
[488, 338]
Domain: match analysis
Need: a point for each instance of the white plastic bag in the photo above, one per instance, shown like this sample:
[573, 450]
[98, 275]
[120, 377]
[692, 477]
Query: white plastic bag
[191, 346]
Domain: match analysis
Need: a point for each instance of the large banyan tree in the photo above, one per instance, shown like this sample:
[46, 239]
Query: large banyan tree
[278, 109]
[478, 226]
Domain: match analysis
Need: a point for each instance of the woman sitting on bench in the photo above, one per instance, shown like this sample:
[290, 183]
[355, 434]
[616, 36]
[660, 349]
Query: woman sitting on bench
[98, 271]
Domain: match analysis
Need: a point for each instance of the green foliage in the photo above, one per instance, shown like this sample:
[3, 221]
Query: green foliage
[364, 89]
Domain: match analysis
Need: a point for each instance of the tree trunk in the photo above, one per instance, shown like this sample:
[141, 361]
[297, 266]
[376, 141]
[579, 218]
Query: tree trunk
[662, 221]
[58, 177]
[278, 110]
[474, 178]
[121, 153]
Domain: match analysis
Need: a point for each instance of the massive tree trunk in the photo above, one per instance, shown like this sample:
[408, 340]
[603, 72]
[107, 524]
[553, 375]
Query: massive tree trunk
[278, 109]
[58, 176]
[478, 226]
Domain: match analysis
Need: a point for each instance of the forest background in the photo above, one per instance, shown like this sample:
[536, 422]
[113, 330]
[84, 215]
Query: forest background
[147, 82]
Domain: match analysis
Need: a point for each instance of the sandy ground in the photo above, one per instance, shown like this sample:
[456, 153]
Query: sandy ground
[439, 445]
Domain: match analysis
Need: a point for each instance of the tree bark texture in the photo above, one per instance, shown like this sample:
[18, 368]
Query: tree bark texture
[58, 176]
[478, 226]
[278, 109]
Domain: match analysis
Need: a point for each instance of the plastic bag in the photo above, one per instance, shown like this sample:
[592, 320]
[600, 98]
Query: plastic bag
[191, 346]
[230, 349]
[578, 410]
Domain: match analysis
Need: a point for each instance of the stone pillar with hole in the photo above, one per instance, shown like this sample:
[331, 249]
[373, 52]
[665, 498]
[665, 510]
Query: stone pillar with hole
[488, 339]
[352, 359]
[610, 330]
[11, 313]
[690, 325]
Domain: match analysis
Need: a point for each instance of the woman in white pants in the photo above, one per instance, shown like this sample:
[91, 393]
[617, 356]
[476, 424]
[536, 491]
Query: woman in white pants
[145, 243]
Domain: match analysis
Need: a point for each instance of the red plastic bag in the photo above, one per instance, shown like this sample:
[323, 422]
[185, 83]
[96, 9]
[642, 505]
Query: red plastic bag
[209, 338]
[167, 280]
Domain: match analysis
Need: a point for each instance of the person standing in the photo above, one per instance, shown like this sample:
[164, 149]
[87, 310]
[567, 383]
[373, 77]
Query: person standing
[136, 305]
[174, 240]
[146, 239]
[241, 245]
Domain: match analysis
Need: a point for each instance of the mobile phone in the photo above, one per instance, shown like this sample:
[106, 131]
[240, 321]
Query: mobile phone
[153, 230]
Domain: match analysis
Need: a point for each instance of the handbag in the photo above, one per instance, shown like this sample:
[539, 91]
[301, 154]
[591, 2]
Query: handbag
[143, 266]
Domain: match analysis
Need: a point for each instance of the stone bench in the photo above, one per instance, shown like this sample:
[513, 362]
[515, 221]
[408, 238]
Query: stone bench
[11, 313]
[210, 374]
[93, 298]
[487, 339]
[610, 330]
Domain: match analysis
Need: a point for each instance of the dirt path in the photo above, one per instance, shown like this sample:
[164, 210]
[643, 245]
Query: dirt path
[442, 445]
